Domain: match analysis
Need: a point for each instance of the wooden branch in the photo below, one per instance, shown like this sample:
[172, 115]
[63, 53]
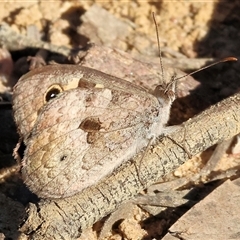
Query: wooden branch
[66, 218]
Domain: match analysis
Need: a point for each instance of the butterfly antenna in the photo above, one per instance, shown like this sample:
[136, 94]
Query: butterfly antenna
[227, 59]
[159, 48]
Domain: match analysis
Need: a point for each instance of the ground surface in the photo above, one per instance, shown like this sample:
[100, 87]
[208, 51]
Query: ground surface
[187, 29]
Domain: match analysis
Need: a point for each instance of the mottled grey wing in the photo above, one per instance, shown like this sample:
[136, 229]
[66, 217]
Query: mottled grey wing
[83, 135]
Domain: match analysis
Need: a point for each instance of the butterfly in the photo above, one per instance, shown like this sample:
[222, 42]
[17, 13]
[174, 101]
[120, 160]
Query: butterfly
[79, 125]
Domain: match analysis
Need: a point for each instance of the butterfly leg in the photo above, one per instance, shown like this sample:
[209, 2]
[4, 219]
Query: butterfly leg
[168, 130]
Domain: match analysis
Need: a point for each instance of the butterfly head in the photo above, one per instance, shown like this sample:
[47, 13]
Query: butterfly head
[166, 92]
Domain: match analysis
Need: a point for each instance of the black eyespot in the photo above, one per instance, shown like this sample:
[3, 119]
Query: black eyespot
[63, 158]
[52, 92]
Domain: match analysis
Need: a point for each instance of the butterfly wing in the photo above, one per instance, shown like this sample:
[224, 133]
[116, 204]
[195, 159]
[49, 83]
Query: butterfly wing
[31, 91]
[83, 135]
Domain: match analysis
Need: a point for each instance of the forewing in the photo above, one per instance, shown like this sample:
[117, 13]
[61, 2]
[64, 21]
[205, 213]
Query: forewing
[30, 93]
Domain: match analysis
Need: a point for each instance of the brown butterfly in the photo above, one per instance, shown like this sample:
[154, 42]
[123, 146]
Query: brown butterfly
[79, 124]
